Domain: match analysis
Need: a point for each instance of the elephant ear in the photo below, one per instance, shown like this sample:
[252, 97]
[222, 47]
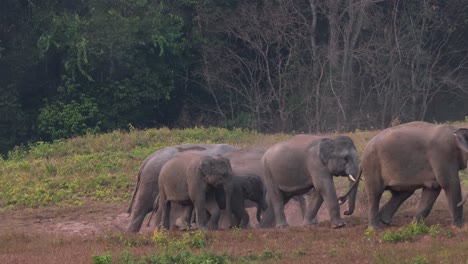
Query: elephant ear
[227, 165]
[462, 139]
[326, 149]
[206, 166]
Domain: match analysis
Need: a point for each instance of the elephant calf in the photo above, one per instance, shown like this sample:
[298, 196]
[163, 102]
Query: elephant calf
[246, 187]
[188, 178]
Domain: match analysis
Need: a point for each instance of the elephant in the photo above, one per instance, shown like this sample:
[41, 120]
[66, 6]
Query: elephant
[247, 187]
[307, 162]
[146, 188]
[412, 156]
[249, 161]
[188, 178]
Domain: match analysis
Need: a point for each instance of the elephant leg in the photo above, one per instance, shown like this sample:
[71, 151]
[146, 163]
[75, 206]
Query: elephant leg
[139, 211]
[454, 196]
[240, 214]
[162, 210]
[200, 209]
[244, 220]
[302, 204]
[277, 201]
[374, 195]
[326, 188]
[185, 218]
[268, 217]
[315, 201]
[428, 198]
[215, 215]
[389, 209]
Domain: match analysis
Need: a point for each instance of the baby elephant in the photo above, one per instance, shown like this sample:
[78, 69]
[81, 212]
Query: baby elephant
[186, 179]
[246, 187]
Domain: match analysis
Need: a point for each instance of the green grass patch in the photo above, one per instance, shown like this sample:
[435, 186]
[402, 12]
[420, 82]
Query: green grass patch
[409, 232]
[93, 167]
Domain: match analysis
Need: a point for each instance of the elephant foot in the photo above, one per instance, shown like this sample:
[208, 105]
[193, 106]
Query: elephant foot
[338, 224]
[181, 225]
[212, 227]
[314, 221]
[457, 225]
[376, 226]
[386, 222]
[284, 225]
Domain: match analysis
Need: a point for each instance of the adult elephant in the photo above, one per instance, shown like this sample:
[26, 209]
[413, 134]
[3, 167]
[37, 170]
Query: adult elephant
[146, 188]
[411, 156]
[188, 178]
[307, 162]
[249, 161]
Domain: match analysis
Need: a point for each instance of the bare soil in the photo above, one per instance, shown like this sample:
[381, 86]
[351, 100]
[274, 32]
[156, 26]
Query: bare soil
[75, 234]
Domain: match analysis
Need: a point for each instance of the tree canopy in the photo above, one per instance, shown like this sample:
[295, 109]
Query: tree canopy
[69, 68]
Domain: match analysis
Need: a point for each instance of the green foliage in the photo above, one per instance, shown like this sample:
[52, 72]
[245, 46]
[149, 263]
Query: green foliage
[60, 120]
[102, 259]
[191, 239]
[409, 232]
[265, 255]
[419, 260]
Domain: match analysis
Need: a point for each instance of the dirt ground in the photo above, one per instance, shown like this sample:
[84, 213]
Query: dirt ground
[74, 234]
[97, 219]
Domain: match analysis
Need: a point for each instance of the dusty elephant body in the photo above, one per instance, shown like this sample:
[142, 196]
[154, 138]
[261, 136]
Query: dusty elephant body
[249, 161]
[247, 187]
[188, 179]
[411, 156]
[146, 189]
[304, 163]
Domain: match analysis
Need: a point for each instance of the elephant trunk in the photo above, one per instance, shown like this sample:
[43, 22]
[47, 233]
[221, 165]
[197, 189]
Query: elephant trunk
[351, 194]
[228, 189]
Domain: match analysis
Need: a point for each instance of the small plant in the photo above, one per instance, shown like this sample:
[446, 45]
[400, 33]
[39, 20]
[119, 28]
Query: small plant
[434, 230]
[102, 259]
[299, 252]
[409, 232]
[369, 233]
[195, 239]
[333, 252]
[160, 238]
[419, 260]
[448, 234]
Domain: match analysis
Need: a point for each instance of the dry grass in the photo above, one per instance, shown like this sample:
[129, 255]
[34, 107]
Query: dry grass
[318, 244]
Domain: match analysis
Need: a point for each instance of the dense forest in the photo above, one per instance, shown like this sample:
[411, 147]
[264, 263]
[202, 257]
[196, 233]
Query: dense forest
[87, 66]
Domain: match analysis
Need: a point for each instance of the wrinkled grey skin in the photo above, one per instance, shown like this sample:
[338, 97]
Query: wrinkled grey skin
[246, 187]
[411, 156]
[146, 188]
[188, 178]
[249, 161]
[295, 166]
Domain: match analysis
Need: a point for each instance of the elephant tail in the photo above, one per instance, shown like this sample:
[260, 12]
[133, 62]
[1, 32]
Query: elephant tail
[344, 198]
[135, 191]
[155, 209]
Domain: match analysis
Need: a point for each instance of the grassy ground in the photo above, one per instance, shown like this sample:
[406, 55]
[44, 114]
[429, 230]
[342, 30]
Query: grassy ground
[65, 202]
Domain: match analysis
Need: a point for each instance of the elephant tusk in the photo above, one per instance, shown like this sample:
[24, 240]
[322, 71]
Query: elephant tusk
[351, 177]
[463, 201]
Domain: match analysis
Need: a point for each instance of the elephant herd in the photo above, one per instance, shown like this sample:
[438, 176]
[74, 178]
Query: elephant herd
[210, 185]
